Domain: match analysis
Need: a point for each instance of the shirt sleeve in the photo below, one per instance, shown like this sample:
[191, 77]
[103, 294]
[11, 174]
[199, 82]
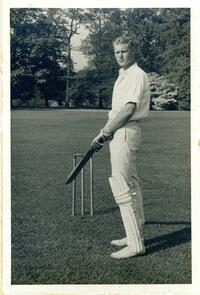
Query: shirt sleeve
[134, 88]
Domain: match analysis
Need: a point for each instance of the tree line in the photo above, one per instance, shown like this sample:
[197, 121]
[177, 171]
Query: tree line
[42, 68]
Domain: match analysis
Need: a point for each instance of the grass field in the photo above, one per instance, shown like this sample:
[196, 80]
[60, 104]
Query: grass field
[49, 246]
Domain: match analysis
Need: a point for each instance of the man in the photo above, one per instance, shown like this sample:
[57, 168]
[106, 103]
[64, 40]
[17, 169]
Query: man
[130, 104]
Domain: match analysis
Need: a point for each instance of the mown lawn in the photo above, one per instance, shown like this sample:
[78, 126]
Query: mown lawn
[49, 246]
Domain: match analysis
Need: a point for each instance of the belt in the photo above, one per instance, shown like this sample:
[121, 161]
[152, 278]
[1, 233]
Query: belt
[132, 122]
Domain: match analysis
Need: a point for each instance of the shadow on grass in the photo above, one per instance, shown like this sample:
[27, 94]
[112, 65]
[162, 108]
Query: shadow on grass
[168, 240]
[168, 222]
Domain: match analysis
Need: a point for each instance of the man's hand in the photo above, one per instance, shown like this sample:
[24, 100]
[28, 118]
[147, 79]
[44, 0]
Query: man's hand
[99, 141]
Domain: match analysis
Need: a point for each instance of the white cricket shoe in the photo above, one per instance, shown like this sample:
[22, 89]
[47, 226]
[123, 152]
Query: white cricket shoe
[119, 243]
[126, 253]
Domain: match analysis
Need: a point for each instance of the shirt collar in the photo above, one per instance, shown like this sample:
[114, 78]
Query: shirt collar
[130, 69]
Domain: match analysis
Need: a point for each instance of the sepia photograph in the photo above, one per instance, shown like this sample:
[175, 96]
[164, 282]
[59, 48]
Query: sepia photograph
[100, 147]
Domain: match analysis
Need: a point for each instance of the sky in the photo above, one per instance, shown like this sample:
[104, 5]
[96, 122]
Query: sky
[80, 61]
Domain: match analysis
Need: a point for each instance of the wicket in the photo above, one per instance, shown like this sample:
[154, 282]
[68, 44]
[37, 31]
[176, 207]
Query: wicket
[75, 157]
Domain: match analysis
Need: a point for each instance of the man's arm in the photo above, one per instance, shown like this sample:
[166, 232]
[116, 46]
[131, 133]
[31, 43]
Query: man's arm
[121, 118]
[112, 125]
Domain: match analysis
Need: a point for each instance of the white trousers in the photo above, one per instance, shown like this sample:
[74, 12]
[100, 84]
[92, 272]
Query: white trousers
[123, 149]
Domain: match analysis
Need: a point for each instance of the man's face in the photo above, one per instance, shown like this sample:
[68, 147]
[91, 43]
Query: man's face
[123, 55]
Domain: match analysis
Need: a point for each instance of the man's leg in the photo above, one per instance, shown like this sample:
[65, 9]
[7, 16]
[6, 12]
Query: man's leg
[123, 162]
[137, 203]
[135, 242]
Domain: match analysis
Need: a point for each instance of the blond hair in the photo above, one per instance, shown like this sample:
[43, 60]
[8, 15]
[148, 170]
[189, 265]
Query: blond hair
[123, 39]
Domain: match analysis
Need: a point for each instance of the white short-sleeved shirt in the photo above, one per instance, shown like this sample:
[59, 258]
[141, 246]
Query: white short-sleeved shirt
[132, 85]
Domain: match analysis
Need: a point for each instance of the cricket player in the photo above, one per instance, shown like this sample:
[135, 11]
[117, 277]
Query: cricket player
[130, 105]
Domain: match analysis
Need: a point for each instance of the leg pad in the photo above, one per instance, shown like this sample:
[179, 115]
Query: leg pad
[120, 189]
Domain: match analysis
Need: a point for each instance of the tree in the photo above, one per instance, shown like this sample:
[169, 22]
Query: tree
[41, 44]
[67, 23]
[41, 52]
[175, 58]
[161, 38]
[98, 48]
[35, 55]
[21, 72]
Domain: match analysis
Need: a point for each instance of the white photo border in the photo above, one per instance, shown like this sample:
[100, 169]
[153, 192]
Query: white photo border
[168, 289]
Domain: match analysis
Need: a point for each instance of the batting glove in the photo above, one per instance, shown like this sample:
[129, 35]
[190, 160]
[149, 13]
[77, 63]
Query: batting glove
[99, 141]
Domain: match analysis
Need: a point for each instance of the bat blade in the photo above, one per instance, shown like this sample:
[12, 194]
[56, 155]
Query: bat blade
[77, 169]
